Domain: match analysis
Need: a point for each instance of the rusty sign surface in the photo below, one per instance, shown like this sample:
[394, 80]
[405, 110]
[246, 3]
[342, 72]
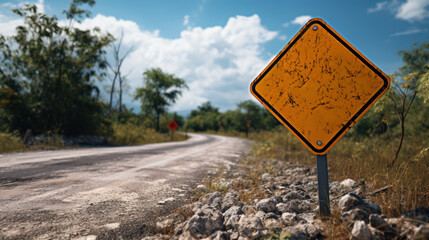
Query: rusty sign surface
[319, 85]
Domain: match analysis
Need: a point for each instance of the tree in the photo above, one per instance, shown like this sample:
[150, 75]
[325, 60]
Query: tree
[259, 117]
[204, 118]
[116, 70]
[48, 73]
[159, 92]
[204, 108]
[232, 120]
[402, 98]
[167, 118]
[416, 60]
[270, 121]
[207, 117]
[406, 83]
[423, 85]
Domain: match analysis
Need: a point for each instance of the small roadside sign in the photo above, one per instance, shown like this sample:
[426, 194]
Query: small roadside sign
[173, 125]
[319, 85]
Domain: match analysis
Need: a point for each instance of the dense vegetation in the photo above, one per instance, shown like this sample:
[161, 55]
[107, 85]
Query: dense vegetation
[160, 91]
[48, 72]
[48, 83]
[248, 116]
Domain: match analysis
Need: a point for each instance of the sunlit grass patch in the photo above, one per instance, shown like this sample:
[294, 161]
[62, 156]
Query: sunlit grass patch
[10, 142]
[132, 134]
[121, 134]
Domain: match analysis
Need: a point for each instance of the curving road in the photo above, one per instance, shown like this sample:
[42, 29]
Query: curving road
[103, 193]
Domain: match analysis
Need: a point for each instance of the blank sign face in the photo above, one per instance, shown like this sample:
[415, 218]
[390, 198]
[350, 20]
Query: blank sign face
[319, 85]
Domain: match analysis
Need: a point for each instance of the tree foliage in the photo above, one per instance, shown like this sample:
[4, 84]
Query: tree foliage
[406, 85]
[401, 112]
[415, 60]
[208, 118]
[48, 74]
[205, 118]
[167, 118]
[160, 90]
[423, 85]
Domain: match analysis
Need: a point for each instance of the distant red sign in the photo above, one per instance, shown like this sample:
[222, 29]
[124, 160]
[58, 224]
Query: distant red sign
[173, 125]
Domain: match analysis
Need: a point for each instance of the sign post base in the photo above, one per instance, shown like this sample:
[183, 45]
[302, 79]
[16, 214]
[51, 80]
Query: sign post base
[323, 185]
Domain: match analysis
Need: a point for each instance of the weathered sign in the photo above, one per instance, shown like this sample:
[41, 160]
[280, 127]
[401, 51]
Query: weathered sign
[319, 85]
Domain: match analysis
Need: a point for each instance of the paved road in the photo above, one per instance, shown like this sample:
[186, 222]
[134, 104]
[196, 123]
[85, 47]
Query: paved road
[103, 192]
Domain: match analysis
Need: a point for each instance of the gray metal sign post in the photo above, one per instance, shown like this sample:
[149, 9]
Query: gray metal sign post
[323, 185]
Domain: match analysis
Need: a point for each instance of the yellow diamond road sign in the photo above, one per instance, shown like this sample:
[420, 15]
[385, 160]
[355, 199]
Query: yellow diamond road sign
[319, 85]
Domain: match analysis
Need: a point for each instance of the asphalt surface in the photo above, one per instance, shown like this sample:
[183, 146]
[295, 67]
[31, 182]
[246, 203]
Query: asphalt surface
[104, 193]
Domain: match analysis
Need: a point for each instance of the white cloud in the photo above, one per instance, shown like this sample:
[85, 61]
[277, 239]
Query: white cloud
[186, 20]
[40, 6]
[409, 10]
[413, 10]
[301, 20]
[8, 24]
[218, 63]
[409, 32]
[379, 6]
[9, 5]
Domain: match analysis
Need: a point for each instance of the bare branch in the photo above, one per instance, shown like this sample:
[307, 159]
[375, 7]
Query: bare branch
[116, 69]
[395, 104]
[409, 105]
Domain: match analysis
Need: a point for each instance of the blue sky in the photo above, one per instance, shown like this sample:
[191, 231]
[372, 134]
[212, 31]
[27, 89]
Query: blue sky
[220, 46]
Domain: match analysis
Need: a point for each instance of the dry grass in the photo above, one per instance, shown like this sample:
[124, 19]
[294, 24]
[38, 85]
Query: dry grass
[368, 160]
[335, 228]
[131, 134]
[364, 159]
[122, 134]
[184, 212]
[10, 142]
[254, 168]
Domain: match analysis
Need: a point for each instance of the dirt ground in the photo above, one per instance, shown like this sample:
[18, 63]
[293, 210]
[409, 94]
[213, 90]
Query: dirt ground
[104, 193]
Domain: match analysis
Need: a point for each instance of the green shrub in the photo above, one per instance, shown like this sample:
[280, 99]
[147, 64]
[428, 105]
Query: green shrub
[10, 142]
[132, 134]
